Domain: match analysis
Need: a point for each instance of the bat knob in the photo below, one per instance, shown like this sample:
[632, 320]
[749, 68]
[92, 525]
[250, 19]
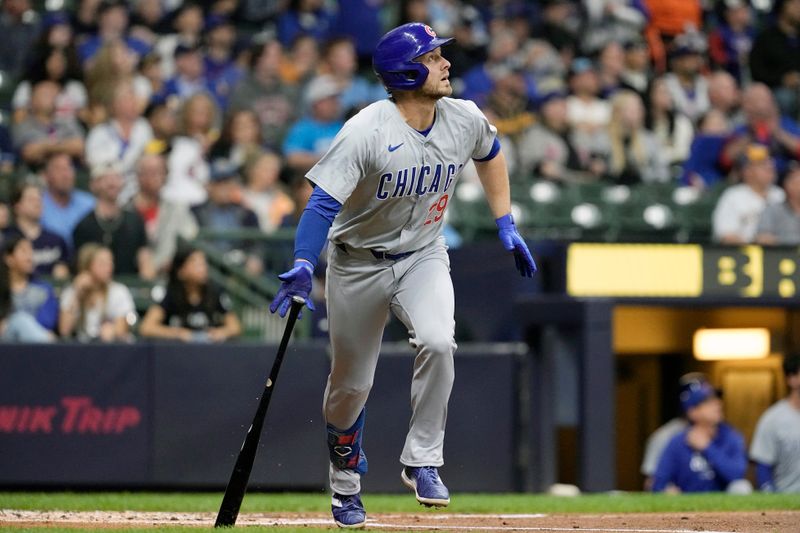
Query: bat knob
[299, 299]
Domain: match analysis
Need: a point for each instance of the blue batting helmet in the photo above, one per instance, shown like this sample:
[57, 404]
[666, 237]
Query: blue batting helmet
[393, 59]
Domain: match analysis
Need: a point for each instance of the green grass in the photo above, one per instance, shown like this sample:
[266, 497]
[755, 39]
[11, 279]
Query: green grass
[376, 503]
[256, 502]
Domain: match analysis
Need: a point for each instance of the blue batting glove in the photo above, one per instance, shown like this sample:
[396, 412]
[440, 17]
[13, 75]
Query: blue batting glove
[296, 282]
[513, 242]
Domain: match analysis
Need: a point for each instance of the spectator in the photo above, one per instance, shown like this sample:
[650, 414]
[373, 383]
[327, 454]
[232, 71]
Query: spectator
[707, 456]
[300, 190]
[730, 43]
[16, 325]
[263, 193]
[165, 222]
[163, 121]
[702, 168]
[686, 84]
[636, 74]
[310, 17]
[240, 138]
[668, 19]
[192, 309]
[57, 32]
[673, 130]
[187, 168]
[59, 65]
[478, 81]
[723, 95]
[115, 64]
[299, 64]
[776, 443]
[775, 58]
[150, 71]
[63, 206]
[94, 307]
[187, 28]
[471, 41]
[200, 120]
[148, 20]
[120, 230]
[548, 149]
[189, 78]
[611, 21]
[587, 113]
[779, 223]
[558, 27]
[263, 92]
[634, 154]
[735, 218]
[29, 295]
[50, 252]
[112, 24]
[360, 21]
[42, 132]
[764, 125]
[120, 140]
[219, 66]
[224, 211]
[311, 136]
[610, 65]
[508, 108]
[19, 26]
[84, 20]
[340, 63]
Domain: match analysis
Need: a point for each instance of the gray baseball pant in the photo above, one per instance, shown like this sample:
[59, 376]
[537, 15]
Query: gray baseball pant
[360, 291]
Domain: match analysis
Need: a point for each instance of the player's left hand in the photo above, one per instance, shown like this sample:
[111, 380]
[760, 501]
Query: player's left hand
[296, 282]
[513, 242]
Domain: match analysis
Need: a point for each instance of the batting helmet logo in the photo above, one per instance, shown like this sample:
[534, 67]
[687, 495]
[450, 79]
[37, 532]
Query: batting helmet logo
[393, 59]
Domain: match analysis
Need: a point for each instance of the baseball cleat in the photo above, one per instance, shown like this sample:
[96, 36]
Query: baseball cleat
[426, 484]
[348, 511]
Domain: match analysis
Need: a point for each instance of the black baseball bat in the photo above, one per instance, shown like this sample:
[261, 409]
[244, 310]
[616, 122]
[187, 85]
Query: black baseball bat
[237, 485]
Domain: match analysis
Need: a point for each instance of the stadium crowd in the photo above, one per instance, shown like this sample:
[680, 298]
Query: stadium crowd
[128, 126]
[131, 124]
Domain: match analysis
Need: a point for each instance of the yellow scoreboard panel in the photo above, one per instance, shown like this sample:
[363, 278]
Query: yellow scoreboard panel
[681, 271]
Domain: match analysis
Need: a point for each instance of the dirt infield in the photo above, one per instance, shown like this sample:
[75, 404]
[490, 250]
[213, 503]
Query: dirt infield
[743, 522]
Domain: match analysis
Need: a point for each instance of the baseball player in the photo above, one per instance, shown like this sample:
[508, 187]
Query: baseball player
[380, 195]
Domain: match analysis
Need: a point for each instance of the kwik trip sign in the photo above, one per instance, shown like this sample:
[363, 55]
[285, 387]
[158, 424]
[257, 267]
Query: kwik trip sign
[71, 415]
[682, 271]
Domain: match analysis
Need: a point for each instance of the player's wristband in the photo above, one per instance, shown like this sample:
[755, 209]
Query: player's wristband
[505, 222]
[304, 263]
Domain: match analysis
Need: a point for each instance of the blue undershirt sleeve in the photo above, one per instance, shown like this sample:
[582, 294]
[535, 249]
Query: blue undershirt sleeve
[312, 230]
[764, 479]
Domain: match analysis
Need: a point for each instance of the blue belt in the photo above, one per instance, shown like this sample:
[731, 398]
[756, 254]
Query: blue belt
[379, 255]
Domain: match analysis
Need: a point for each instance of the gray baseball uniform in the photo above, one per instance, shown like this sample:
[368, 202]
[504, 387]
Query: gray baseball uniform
[776, 442]
[387, 254]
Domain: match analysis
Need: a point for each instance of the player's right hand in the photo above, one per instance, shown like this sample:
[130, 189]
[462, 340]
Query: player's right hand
[296, 282]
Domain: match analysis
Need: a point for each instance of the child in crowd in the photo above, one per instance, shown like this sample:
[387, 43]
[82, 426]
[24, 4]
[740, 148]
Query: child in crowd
[192, 309]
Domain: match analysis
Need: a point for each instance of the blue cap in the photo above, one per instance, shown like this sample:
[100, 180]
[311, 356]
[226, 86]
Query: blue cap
[694, 390]
[580, 65]
[223, 169]
[55, 18]
[185, 48]
[214, 21]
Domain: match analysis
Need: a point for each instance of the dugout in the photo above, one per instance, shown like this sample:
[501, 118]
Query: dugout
[613, 334]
